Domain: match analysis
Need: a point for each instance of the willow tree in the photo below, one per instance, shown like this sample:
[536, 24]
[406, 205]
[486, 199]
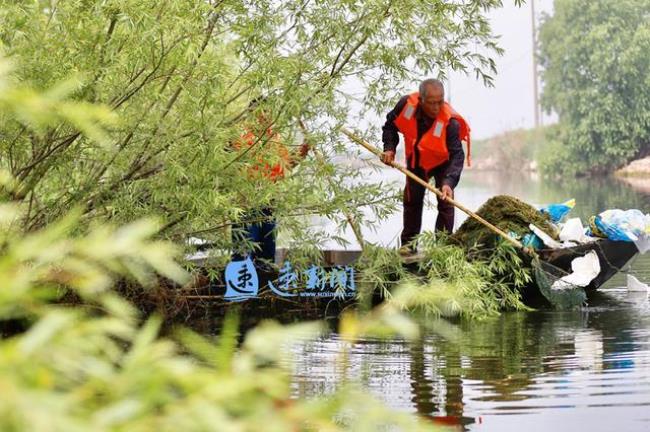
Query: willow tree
[179, 76]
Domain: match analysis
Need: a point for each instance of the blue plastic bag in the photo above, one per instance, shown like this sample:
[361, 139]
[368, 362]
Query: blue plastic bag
[531, 240]
[558, 211]
[619, 225]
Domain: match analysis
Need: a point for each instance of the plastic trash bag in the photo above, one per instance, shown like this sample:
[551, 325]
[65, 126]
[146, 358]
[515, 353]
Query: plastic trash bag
[584, 270]
[572, 231]
[547, 239]
[531, 240]
[643, 243]
[558, 211]
[620, 225]
[633, 284]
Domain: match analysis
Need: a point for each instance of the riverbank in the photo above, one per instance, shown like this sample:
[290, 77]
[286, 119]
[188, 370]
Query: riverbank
[636, 174]
[523, 150]
[515, 150]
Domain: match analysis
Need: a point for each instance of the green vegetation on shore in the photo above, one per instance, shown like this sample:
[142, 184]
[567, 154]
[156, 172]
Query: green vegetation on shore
[595, 61]
[516, 150]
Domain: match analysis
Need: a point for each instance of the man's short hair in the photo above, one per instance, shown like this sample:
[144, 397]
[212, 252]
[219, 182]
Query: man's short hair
[428, 83]
[255, 102]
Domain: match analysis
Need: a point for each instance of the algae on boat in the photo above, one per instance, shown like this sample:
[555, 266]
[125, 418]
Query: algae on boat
[507, 213]
[514, 217]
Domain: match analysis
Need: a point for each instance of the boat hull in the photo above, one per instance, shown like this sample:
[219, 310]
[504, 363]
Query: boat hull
[613, 256]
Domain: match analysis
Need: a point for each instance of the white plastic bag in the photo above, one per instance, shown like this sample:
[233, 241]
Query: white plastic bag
[633, 284]
[621, 225]
[573, 231]
[643, 243]
[585, 269]
[546, 239]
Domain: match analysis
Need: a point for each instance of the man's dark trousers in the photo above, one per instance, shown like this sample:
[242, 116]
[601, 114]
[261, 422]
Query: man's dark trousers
[414, 202]
[260, 232]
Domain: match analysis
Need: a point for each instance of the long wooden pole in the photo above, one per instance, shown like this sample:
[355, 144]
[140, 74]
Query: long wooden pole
[456, 204]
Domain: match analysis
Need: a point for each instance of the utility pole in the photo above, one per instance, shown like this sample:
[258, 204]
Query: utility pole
[449, 86]
[535, 90]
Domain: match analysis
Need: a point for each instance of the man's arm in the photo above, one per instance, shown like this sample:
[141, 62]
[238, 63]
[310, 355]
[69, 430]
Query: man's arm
[390, 136]
[456, 155]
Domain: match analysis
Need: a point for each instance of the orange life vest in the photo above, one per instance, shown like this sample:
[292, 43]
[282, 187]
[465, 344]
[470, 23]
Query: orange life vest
[271, 159]
[432, 146]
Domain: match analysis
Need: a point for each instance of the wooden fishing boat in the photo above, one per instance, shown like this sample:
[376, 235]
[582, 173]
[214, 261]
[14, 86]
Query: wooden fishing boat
[613, 255]
[556, 263]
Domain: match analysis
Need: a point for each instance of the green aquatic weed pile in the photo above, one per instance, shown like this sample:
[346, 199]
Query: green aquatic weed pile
[453, 285]
[506, 212]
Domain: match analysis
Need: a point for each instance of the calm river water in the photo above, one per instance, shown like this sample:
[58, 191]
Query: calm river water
[543, 370]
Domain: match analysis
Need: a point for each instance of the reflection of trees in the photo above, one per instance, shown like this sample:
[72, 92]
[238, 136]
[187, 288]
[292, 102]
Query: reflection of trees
[499, 354]
[507, 353]
[593, 195]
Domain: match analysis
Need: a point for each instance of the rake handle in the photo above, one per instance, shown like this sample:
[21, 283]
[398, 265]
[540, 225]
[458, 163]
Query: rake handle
[433, 189]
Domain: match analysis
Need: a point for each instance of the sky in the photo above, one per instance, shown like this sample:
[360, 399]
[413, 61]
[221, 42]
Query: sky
[509, 104]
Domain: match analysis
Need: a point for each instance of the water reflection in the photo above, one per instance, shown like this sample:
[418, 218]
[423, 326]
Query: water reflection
[544, 364]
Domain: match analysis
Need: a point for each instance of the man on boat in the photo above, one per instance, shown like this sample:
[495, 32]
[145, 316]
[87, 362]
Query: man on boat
[432, 132]
[268, 161]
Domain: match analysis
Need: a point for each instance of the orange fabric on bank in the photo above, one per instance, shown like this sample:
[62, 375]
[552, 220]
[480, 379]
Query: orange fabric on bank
[433, 144]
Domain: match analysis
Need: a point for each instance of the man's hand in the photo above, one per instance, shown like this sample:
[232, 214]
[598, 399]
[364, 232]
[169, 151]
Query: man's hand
[388, 157]
[304, 149]
[447, 192]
